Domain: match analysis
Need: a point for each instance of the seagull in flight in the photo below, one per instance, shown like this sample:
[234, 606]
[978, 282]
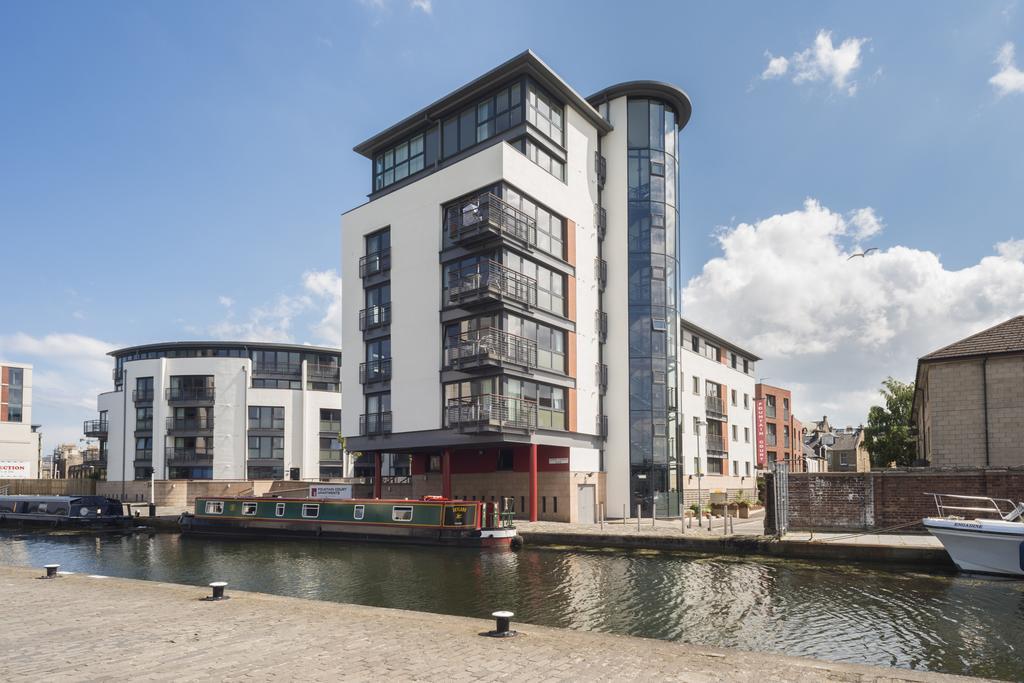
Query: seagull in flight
[862, 253]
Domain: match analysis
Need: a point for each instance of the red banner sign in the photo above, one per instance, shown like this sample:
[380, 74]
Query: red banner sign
[760, 432]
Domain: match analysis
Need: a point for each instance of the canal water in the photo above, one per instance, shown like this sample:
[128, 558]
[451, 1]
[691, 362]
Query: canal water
[950, 623]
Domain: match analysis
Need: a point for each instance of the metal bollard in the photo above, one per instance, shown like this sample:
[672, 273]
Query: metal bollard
[503, 621]
[218, 591]
[639, 513]
[51, 571]
[623, 513]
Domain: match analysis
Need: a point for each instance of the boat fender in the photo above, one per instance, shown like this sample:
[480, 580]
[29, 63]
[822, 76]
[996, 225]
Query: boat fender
[517, 542]
[319, 531]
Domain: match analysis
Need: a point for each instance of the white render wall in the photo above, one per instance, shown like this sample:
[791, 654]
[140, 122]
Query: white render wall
[232, 399]
[18, 443]
[694, 364]
[414, 215]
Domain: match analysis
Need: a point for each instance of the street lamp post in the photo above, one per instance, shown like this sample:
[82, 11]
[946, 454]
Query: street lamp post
[700, 508]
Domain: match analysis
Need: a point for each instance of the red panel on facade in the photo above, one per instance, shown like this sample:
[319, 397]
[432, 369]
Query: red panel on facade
[760, 432]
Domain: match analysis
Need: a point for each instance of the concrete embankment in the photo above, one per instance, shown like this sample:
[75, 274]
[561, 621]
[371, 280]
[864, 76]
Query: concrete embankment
[100, 628]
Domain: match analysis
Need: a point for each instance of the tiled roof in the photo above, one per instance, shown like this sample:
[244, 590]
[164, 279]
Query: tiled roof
[1006, 337]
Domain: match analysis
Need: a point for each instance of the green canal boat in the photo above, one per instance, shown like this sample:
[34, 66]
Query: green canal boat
[431, 520]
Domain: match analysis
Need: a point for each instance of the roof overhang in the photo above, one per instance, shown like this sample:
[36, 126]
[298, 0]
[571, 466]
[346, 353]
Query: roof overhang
[525, 63]
[666, 92]
[221, 345]
[714, 337]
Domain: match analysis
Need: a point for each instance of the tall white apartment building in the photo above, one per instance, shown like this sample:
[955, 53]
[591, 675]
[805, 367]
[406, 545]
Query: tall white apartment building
[222, 410]
[19, 438]
[510, 286]
[717, 409]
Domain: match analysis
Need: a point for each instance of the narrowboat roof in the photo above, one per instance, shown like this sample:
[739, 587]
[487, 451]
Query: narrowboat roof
[47, 499]
[270, 499]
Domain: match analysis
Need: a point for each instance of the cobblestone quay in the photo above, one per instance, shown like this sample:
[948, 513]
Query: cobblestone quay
[83, 628]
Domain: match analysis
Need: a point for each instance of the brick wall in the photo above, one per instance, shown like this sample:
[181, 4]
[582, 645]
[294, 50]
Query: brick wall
[885, 498]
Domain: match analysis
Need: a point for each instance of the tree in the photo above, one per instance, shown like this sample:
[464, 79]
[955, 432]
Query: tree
[887, 435]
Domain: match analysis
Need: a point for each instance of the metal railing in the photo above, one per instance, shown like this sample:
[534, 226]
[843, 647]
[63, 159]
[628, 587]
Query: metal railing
[189, 424]
[375, 423]
[144, 455]
[144, 425]
[331, 455]
[374, 263]
[188, 455]
[375, 316]
[142, 395]
[378, 370]
[488, 346]
[332, 426]
[601, 321]
[714, 404]
[487, 216]
[600, 220]
[95, 427]
[490, 281]
[601, 271]
[601, 375]
[602, 168]
[324, 372]
[196, 394]
[276, 368]
[716, 443]
[995, 506]
[490, 413]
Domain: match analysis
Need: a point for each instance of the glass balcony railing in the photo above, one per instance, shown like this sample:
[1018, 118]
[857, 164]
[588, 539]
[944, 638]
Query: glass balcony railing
[190, 394]
[375, 423]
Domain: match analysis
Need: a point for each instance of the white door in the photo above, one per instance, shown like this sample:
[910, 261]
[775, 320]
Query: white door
[585, 501]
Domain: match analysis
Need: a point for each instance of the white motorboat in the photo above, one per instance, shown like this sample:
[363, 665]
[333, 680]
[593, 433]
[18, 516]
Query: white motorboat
[981, 534]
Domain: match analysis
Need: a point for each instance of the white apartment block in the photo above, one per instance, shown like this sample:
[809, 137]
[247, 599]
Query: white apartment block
[717, 435]
[19, 438]
[510, 286]
[222, 410]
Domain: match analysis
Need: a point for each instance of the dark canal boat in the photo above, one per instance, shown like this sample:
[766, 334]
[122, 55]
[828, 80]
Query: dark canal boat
[62, 511]
[432, 520]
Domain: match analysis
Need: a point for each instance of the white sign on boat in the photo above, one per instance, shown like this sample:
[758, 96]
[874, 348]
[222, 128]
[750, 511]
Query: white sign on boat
[340, 491]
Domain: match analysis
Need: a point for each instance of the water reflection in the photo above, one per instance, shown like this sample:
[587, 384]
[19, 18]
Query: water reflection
[956, 624]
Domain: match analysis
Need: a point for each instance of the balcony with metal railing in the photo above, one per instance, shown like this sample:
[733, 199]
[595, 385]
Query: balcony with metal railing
[373, 371]
[331, 455]
[600, 220]
[143, 425]
[375, 317]
[487, 282]
[715, 443]
[375, 423]
[489, 348]
[771, 439]
[330, 426]
[375, 263]
[190, 394]
[487, 413]
[277, 368]
[95, 428]
[487, 217]
[188, 455]
[602, 168]
[714, 405]
[601, 322]
[142, 395]
[189, 425]
[601, 272]
[323, 373]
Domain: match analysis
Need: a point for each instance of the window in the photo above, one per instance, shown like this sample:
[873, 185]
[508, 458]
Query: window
[695, 343]
[485, 119]
[544, 113]
[401, 513]
[746, 467]
[214, 507]
[746, 401]
[266, 417]
[696, 425]
[540, 157]
[733, 394]
[772, 434]
[249, 509]
[550, 226]
[735, 433]
[696, 385]
[144, 418]
[143, 389]
[358, 512]
[713, 352]
[550, 341]
[143, 447]
[769, 406]
[746, 366]
[310, 511]
[734, 364]
[266, 447]
[735, 468]
[746, 434]
[550, 284]
[505, 459]
[279, 510]
[401, 161]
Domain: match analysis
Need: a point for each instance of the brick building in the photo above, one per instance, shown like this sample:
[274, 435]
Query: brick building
[969, 400]
[783, 432]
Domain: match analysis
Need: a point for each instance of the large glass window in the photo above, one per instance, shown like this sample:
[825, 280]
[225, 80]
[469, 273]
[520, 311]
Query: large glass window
[266, 447]
[404, 159]
[550, 341]
[544, 113]
[550, 226]
[266, 417]
[550, 284]
[540, 157]
[482, 121]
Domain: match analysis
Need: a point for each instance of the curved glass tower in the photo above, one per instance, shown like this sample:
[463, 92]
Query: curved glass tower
[653, 311]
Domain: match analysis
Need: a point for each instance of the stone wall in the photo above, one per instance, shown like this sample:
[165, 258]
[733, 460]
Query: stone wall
[839, 501]
[49, 487]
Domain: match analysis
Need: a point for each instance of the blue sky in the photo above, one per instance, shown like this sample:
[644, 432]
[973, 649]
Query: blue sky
[178, 170]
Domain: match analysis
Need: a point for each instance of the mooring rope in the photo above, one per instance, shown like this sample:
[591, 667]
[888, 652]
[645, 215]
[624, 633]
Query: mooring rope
[864, 533]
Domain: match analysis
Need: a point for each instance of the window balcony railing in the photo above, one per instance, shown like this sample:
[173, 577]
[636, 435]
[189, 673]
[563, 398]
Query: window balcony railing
[600, 220]
[487, 217]
[601, 321]
[602, 425]
[601, 272]
[487, 347]
[189, 424]
[374, 317]
[375, 263]
[715, 443]
[378, 370]
[332, 426]
[714, 405]
[491, 413]
[277, 368]
[375, 423]
[602, 168]
[95, 428]
[144, 425]
[144, 458]
[188, 455]
[601, 375]
[190, 394]
[330, 455]
[324, 373]
[490, 281]
[117, 374]
[142, 395]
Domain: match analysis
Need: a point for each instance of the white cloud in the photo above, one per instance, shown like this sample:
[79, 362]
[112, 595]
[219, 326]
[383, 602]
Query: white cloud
[834, 327]
[425, 6]
[326, 286]
[777, 66]
[226, 301]
[1010, 79]
[821, 61]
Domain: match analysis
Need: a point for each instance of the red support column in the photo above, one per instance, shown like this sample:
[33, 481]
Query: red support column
[376, 474]
[533, 482]
[446, 473]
